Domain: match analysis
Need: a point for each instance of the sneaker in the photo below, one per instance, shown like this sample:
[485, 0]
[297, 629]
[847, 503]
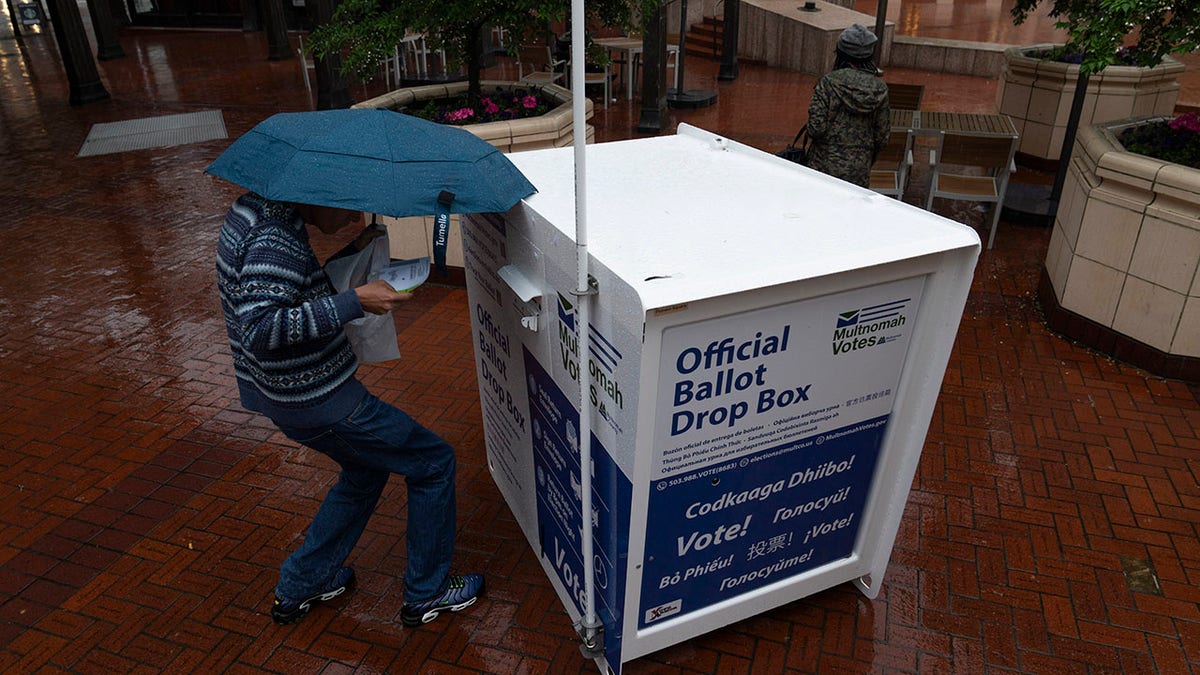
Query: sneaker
[287, 611]
[462, 592]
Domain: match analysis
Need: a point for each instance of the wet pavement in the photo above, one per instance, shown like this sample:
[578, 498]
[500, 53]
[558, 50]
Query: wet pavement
[144, 514]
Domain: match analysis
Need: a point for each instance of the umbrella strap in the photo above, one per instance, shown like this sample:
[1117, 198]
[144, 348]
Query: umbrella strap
[441, 231]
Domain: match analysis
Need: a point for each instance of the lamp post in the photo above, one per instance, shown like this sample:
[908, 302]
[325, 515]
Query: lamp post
[333, 89]
[654, 79]
[729, 41]
[83, 80]
[107, 46]
[680, 97]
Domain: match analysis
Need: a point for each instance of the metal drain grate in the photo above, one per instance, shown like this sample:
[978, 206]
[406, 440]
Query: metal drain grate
[1140, 576]
[153, 132]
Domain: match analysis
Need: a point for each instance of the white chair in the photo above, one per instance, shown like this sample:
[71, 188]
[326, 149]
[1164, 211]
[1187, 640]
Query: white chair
[605, 78]
[305, 65]
[499, 35]
[395, 65]
[394, 68]
[889, 173]
[972, 154]
[541, 66]
[544, 70]
[672, 63]
[413, 44]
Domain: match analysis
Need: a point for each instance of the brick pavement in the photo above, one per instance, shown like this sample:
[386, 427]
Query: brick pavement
[143, 514]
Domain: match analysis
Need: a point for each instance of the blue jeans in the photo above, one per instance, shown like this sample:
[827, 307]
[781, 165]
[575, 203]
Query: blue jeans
[375, 441]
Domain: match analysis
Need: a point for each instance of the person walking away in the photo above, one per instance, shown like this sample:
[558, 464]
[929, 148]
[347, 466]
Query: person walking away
[294, 365]
[848, 118]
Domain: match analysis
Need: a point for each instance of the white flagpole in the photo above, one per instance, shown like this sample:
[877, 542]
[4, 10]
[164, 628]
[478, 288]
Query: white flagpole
[583, 293]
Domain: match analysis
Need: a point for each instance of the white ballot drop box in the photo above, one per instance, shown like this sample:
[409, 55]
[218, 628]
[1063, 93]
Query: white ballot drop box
[766, 348]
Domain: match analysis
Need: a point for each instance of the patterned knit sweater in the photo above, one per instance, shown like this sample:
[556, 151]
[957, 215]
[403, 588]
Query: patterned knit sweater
[284, 318]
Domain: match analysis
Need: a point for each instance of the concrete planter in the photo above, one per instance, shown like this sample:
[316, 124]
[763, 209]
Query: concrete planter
[1123, 264]
[1037, 94]
[412, 237]
[781, 34]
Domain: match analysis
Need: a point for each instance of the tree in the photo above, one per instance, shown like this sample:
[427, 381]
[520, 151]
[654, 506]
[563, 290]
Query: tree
[367, 31]
[1098, 29]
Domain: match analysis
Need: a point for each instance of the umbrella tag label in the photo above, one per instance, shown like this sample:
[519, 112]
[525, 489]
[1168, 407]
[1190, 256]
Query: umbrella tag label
[441, 233]
[441, 230]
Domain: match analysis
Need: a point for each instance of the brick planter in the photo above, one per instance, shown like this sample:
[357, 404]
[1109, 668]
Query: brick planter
[1122, 269]
[1037, 94]
[411, 237]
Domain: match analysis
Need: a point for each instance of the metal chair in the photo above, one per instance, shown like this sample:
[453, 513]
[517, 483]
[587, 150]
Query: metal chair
[889, 173]
[972, 154]
[672, 63]
[394, 69]
[600, 77]
[542, 67]
[395, 65]
[305, 65]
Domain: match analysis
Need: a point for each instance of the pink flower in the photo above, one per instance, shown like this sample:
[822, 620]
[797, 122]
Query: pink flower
[489, 107]
[1186, 121]
[529, 102]
[460, 114]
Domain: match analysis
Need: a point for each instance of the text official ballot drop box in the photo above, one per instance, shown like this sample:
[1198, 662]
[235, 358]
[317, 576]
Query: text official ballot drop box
[766, 349]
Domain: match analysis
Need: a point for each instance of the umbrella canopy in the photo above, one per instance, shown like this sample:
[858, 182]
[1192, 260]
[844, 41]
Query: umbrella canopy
[371, 160]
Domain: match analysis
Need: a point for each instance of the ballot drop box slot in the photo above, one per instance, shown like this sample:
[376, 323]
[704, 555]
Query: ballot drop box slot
[765, 351]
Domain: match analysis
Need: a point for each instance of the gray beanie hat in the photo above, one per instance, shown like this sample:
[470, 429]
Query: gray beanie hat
[857, 42]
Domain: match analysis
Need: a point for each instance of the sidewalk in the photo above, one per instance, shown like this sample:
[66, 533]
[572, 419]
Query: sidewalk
[144, 514]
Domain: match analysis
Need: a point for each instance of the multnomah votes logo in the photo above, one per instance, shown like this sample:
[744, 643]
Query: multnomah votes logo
[868, 326]
[603, 361]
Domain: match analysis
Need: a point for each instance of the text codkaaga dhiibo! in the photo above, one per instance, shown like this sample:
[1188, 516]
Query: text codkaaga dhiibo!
[722, 378]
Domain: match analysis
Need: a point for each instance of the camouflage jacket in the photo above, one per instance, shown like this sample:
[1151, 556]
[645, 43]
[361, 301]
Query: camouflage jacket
[848, 122]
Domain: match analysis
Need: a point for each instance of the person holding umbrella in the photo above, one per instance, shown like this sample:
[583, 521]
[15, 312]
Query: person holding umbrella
[294, 365]
[291, 357]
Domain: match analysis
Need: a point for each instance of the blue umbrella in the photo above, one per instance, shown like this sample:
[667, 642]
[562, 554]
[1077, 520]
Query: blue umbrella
[377, 161]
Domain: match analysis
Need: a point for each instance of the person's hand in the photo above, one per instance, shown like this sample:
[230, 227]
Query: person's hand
[379, 297]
